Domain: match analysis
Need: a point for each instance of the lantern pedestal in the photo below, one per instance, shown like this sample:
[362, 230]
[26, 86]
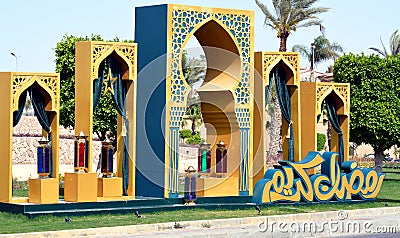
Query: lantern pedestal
[109, 187]
[43, 191]
[217, 187]
[80, 187]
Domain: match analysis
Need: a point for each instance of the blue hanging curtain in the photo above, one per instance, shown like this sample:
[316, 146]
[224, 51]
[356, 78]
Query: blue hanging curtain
[285, 105]
[119, 97]
[268, 91]
[334, 119]
[21, 105]
[39, 107]
[97, 86]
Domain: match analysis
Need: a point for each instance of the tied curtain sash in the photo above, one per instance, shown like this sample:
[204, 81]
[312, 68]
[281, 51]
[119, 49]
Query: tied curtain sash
[334, 119]
[97, 86]
[39, 107]
[119, 99]
[21, 105]
[285, 105]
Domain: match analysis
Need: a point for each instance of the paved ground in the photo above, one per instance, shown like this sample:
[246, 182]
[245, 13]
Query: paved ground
[375, 222]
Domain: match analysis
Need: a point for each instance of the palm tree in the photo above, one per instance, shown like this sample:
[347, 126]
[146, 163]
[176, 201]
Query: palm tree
[194, 71]
[195, 116]
[394, 44]
[323, 50]
[290, 15]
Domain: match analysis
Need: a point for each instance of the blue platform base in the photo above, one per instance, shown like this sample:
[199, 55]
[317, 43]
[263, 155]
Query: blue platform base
[142, 204]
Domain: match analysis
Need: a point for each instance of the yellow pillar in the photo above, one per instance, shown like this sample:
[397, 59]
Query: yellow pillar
[84, 93]
[89, 55]
[6, 131]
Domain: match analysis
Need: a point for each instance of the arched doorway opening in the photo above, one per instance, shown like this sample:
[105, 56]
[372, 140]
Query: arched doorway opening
[323, 94]
[333, 107]
[43, 89]
[217, 105]
[111, 75]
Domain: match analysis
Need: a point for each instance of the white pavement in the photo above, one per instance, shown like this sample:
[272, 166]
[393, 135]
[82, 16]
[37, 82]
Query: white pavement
[375, 222]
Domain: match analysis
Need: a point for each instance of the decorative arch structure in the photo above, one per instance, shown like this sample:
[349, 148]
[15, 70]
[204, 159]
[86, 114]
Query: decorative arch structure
[161, 35]
[12, 84]
[265, 64]
[317, 92]
[89, 56]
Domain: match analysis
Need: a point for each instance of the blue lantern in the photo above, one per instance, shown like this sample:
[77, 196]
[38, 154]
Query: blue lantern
[43, 158]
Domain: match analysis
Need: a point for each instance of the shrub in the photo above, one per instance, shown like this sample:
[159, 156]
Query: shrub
[194, 140]
[321, 139]
[186, 133]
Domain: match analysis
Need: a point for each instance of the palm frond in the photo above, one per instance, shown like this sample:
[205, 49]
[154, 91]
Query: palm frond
[310, 23]
[394, 43]
[303, 50]
[384, 48]
[378, 50]
[268, 15]
[289, 15]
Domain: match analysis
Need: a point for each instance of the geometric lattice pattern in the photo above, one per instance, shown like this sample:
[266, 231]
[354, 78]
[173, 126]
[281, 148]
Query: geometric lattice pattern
[342, 90]
[243, 117]
[49, 82]
[184, 22]
[176, 115]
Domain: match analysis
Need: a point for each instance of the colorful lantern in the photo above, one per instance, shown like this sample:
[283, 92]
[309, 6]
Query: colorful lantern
[81, 160]
[190, 186]
[221, 157]
[107, 163]
[43, 158]
[204, 158]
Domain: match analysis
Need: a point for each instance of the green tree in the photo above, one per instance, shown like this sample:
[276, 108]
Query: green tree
[323, 51]
[394, 44]
[195, 116]
[321, 139]
[195, 139]
[105, 118]
[375, 99]
[290, 15]
[185, 133]
[194, 69]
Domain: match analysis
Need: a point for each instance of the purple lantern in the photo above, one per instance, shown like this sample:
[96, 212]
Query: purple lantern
[107, 163]
[190, 186]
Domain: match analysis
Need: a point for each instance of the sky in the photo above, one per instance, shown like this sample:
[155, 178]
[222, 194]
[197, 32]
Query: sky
[31, 29]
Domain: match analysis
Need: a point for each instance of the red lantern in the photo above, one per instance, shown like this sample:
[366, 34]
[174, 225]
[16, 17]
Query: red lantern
[81, 160]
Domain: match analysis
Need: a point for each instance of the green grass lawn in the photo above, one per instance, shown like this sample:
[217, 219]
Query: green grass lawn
[389, 196]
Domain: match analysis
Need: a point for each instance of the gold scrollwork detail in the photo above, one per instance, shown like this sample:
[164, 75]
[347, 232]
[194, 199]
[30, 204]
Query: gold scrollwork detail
[342, 90]
[290, 59]
[100, 49]
[293, 60]
[48, 82]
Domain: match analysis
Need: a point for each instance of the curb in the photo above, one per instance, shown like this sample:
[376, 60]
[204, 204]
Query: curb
[137, 229]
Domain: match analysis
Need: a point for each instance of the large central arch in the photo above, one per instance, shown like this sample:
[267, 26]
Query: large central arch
[228, 78]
